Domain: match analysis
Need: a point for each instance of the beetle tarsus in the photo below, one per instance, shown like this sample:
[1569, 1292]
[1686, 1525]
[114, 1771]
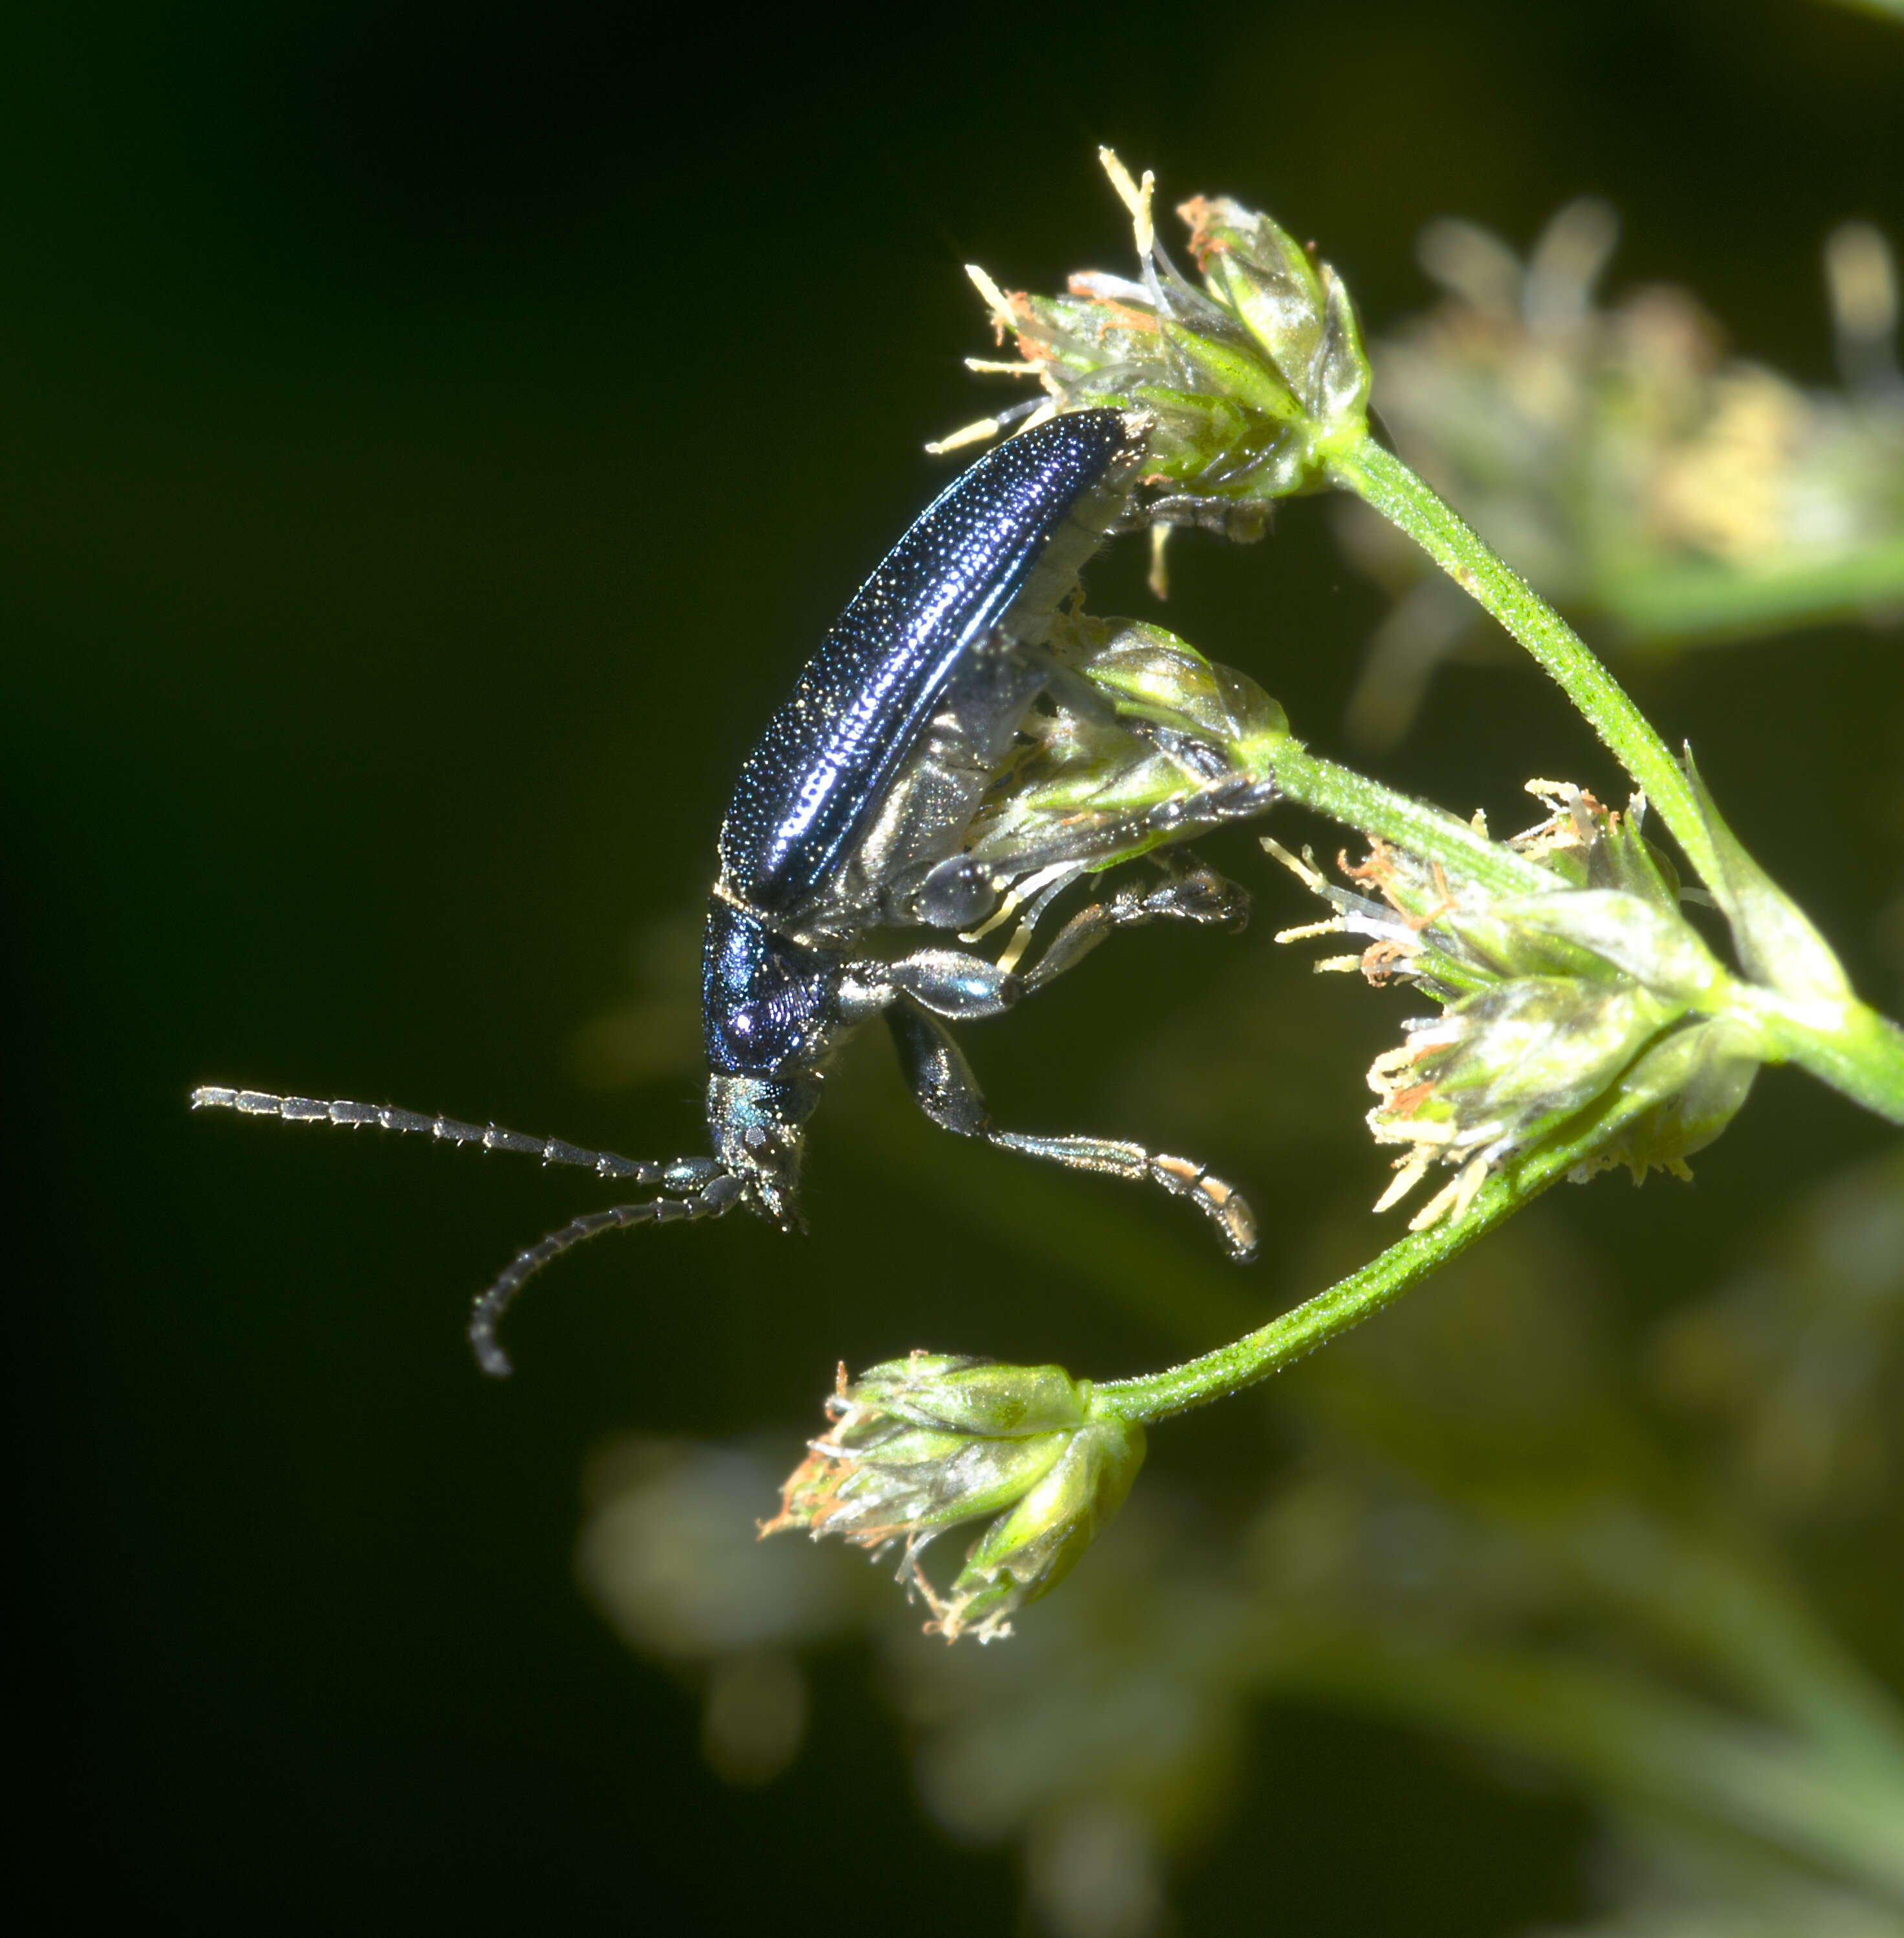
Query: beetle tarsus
[1194, 894]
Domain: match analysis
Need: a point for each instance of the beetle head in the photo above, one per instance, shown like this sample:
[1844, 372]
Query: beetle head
[758, 1124]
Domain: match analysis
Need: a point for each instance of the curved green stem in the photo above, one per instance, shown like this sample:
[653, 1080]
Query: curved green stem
[1699, 604]
[1267, 1351]
[1381, 479]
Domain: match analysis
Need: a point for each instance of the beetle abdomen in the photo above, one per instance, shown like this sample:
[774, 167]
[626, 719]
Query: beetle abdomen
[1000, 546]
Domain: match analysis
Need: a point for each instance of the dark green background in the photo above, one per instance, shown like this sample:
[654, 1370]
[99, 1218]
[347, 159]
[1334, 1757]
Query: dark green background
[431, 438]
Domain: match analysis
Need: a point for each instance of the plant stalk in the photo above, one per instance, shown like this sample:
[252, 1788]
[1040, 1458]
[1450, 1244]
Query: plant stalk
[1381, 479]
[1848, 1045]
[1259, 1355]
[1415, 826]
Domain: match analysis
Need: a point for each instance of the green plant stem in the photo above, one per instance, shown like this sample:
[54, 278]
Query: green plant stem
[1847, 1044]
[1429, 832]
[1259, 1355]
[1381, 479]
[1661, 606]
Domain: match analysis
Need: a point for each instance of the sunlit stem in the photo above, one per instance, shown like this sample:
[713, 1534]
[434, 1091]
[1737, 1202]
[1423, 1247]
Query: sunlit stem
[1414, 826]
[1847, 1045]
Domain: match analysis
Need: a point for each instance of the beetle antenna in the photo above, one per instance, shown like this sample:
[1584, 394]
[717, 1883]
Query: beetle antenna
[446, 1130]
[720, 1195]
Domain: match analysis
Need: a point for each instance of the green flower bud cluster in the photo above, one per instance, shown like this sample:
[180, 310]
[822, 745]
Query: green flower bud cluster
[921, 1444]
[1249, 380]
[1086, 784]
[1593, 989]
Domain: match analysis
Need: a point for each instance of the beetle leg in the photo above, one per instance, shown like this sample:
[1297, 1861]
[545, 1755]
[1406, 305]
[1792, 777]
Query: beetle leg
[1194, 894]
[949, 982]
[1101, 838]
[1243, 521]
[943, 1086]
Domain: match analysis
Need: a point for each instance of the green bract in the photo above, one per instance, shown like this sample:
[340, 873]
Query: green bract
[1025, 1553]
[1076, 778]
[920, 1443]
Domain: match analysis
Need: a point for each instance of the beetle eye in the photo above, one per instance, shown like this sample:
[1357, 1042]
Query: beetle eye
[958, 894]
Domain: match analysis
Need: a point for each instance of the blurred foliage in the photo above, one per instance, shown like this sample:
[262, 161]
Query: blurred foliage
[433, 437]
[1667, 494]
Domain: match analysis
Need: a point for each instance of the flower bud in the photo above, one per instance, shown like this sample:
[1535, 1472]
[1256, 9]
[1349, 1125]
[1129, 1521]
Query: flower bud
[920, 1443]
[1025, 1553]
[1190, 738]
[1551, 1000]
[1249, 380]
[1501, 1067]
[1154, 677]
[1700, 1076]
[1296, 308]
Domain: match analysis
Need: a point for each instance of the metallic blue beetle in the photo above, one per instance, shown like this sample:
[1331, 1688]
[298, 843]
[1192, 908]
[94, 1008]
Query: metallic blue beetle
[850, 818]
